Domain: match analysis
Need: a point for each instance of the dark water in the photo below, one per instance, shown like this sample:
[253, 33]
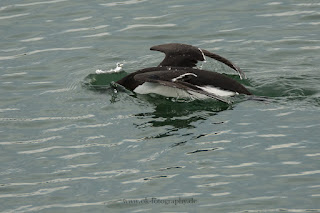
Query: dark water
[69, 147]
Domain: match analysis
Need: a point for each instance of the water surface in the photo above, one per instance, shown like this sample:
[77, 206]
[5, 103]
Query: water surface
[67, 147]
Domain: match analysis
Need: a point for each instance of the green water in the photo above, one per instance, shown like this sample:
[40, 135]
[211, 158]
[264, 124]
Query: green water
[67, 146]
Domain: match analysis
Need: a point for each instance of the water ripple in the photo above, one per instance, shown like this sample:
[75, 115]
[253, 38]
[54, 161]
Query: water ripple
[278, 210]
[85, 29]
[310, 48]
[58, 180]
[300, 174]
[79, 165]
[13, 16]
[271, 135]
[142, 180]
[77, 155]
[214, 142]
[185, 194]
[240, 175]
[96, 35]
[313, 155]
[213, 184]
[204, 176]
[242, 165]
[31, 4]
[230, 30]
[12, 49]
[307, 4]
[32, 39]
[94, 137]
[123, 3]
[82, 18]
[217, 175]
[148, 26]
[77, 127]
[47, 118]
[289, 13]
[281, 146]
[42, 140]
[290, 163]
[30, 208]
[306, 23]
[9, 109]
[150, 17]
[66, 147]
[56, 91]
[274, 3]
[36, 193]
[11, 57]
[283, 41]
[283, 114]
[245, 200]
[153, 157]
[203, 150]
[40, 82]
[220, 194]
[117, 172]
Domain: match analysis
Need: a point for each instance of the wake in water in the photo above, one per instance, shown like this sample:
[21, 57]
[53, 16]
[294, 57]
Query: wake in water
[101, 79]
[117, 69]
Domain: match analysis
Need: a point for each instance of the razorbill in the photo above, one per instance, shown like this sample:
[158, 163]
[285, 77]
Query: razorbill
[176, 76]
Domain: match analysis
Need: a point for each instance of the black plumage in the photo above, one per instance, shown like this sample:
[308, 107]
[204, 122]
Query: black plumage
[176, 71]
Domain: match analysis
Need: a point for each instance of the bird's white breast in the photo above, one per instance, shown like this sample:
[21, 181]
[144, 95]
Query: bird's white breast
[217, 91]
[155, 88]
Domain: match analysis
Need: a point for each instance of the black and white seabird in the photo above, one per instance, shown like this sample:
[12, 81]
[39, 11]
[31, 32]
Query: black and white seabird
[176, 76]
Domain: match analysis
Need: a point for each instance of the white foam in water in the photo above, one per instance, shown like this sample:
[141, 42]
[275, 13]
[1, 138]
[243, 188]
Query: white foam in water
[117, 69]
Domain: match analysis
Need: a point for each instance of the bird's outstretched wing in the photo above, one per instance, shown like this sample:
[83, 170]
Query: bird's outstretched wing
[225, 61]
[184, 55]
[179, 55]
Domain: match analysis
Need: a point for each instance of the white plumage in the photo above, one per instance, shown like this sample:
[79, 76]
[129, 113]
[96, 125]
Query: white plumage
[155, 88]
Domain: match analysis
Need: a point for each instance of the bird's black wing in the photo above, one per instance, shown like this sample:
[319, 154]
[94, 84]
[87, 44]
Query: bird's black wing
[225, 61]
[184, 55]
[179, 55]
